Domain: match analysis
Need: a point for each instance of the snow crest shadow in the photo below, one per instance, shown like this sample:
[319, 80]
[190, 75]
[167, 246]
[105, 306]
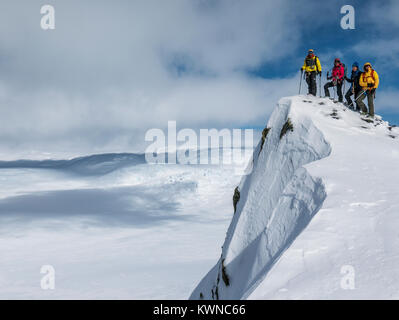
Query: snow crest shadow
[291, 215]
[133, 206]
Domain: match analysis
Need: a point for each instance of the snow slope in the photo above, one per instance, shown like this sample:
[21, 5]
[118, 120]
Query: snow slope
[320, 205]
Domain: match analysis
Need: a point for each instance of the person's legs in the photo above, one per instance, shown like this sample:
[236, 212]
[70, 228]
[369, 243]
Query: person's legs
[313, 83]
[370, 101]
[326, 86]
[308, 81]
[361, 104]
[348, 98]
[357, 92]
[339, 92]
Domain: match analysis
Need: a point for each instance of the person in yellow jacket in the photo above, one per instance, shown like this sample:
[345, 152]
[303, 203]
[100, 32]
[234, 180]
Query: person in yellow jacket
[312, 68]
[369, 81]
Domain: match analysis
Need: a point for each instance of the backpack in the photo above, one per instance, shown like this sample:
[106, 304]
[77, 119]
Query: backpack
[312, 62]
[371, 74]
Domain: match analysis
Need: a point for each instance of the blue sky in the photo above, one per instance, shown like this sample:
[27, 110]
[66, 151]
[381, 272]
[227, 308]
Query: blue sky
[330, 41]
[110, 71]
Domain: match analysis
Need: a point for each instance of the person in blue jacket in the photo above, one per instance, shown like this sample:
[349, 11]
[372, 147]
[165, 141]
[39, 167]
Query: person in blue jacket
[355, 88]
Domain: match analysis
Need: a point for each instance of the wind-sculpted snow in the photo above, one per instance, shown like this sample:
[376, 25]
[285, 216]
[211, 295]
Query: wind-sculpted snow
[101, 164]
[277, 201]
[98, 164]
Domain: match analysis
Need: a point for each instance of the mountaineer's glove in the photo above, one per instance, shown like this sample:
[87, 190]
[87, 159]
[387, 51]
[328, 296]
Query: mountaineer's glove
[370, 85]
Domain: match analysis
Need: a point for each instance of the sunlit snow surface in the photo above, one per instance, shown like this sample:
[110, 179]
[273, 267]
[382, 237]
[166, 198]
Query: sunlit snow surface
[356, 232]
[318, 217]
[112, 226]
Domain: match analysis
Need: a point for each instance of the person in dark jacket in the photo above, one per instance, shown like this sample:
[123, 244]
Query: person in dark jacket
[355, 88]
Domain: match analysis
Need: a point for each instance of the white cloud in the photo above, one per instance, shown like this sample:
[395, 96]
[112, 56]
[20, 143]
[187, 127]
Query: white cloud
[115, 119]
[388, 100]
[386, 51]
[384, 14]
[109, 71]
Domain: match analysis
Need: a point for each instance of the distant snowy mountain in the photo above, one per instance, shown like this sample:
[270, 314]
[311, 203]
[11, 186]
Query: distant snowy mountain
[320, 204]
[102, 164]
[97, 164]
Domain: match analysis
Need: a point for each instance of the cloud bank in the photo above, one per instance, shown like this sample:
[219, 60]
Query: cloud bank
[112, 70]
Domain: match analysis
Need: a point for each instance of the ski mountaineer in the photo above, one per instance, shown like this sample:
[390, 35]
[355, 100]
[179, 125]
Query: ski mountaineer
[369, 82]
[312, 68]
[337, 77]
[355, 88]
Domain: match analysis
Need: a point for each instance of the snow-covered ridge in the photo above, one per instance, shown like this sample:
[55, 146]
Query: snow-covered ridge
[97, 164]
[104, 163]
[280, 197]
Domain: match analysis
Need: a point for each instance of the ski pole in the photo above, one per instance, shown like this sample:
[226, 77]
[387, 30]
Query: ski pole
[352, 89]
[300, 82]
[360, 94]
[335, 89]
[351, 104]
[320, 85]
